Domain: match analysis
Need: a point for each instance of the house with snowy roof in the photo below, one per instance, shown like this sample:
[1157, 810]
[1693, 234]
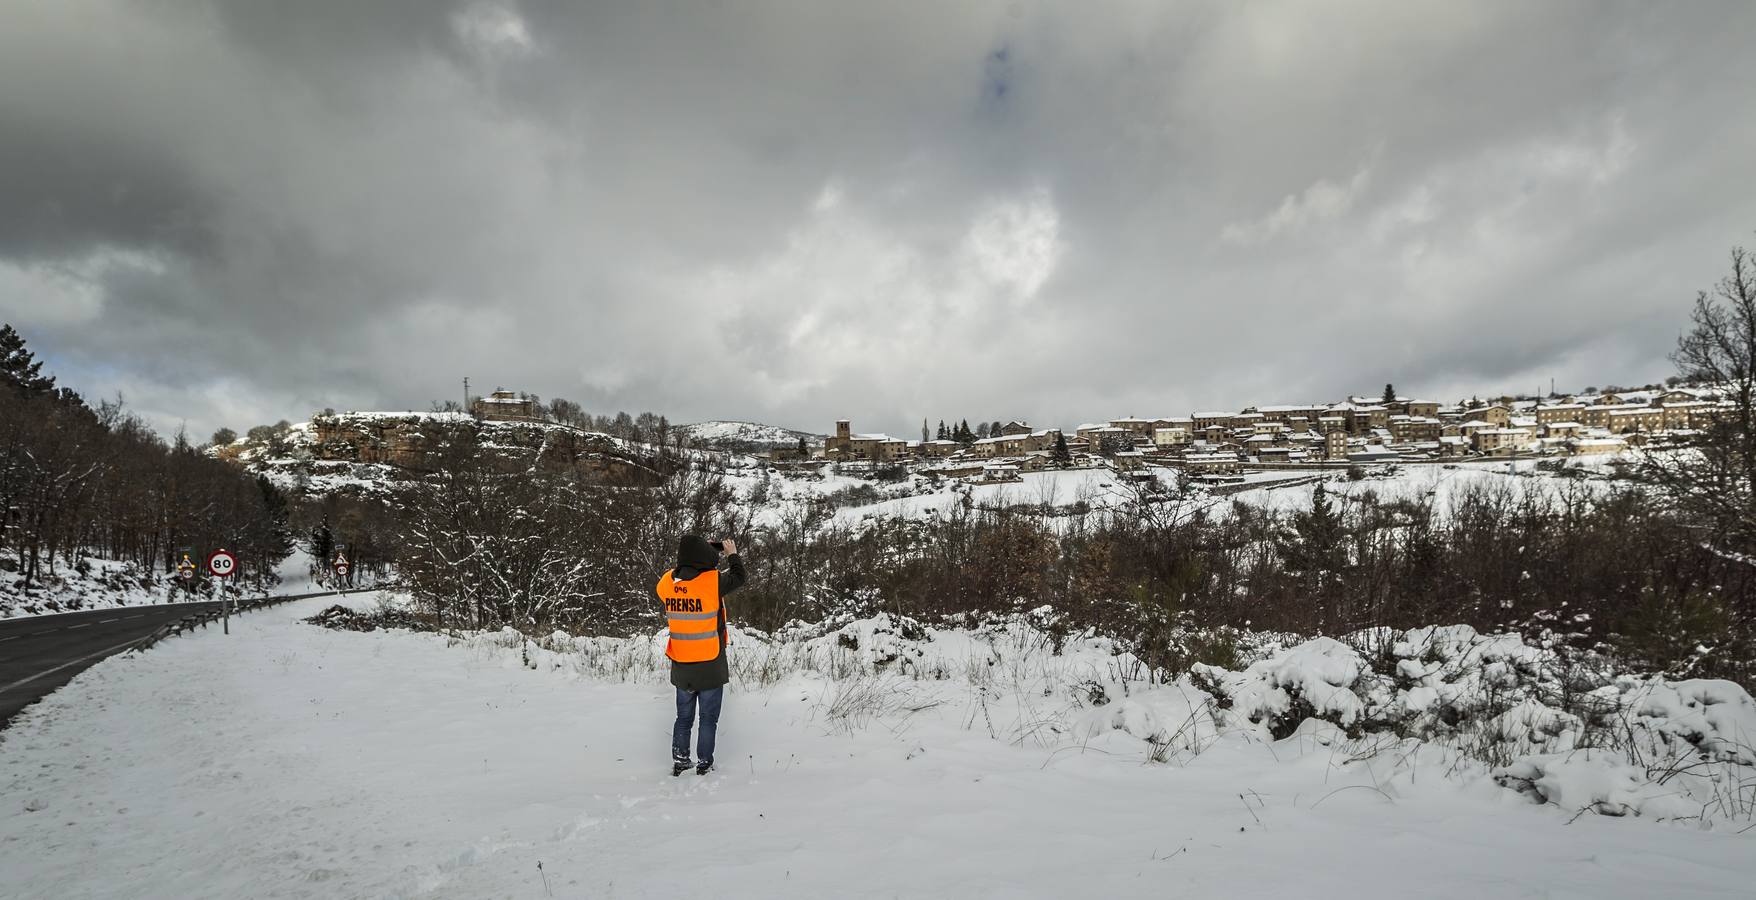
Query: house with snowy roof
[1500, 441]
[1373, 453]
[504, 406]
[1413, 429]
[1016, 444]
[1213, 463]
[846, 445]
[1494, 414]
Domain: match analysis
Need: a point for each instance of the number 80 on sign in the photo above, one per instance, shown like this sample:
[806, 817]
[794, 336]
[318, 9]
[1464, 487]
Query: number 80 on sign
[221, 563]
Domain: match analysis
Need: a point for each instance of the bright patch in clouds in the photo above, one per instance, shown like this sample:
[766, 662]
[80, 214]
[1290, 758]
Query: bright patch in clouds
[493, 29]
[1323, 201]
[1014, 245]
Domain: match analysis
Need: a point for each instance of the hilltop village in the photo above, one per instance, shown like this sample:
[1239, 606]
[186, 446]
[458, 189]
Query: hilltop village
[1221, 446]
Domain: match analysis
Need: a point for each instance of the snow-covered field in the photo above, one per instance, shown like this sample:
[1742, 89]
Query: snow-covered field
[291, 761]
[1442, 486]
[1101, 488]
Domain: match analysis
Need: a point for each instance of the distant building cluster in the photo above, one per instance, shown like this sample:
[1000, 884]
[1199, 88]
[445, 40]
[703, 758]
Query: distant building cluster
[1220, 446]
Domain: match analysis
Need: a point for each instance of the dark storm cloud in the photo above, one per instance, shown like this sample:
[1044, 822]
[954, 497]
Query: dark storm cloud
[241, 211]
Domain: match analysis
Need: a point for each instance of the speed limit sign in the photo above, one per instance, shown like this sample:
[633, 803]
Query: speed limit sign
[221, 563]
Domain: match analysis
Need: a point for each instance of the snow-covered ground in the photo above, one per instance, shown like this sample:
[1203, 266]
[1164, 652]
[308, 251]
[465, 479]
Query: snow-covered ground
[1442, 485]
[105, 585]
[290, 761]
[108, 584]
[1101, 488]
[710, 434]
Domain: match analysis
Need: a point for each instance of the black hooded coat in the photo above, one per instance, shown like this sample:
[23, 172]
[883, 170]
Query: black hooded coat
[695, 556]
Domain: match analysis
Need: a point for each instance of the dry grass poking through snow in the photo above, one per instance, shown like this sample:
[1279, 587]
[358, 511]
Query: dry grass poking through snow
[1429, 701]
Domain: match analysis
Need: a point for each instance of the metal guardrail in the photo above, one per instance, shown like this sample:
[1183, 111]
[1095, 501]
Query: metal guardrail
[189, 623]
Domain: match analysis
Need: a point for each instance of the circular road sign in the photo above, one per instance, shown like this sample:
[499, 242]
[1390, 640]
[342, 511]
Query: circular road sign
[222, 563]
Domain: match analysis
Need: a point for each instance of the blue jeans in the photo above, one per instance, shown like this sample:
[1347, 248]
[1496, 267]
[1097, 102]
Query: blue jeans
[710, 701]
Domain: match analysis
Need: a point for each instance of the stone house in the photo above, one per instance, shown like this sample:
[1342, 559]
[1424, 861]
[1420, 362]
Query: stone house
[1335, 445]
[846, 445]
[1202, 421]
[504, 406]
[1415, 429]
[1500, 441]
[1636, 418]
[1165, 438]
[1213, 463]
[938, 449]
[1558, 412]
[1494, 414]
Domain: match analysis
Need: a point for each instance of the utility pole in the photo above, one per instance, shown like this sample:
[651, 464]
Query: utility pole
[466, 395]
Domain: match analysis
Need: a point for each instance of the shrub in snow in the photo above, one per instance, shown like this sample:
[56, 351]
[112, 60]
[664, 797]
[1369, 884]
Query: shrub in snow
[1602, 782]
[1321, 678]
[1176, 721]
[342, 618]
[1561, 732]
[1558, 731]
[1493, 695]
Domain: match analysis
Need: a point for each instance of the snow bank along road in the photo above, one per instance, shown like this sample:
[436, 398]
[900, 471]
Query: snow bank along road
[290, 761]
[41, 653]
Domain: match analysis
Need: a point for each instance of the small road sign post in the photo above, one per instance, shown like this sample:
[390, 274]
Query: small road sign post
[341, 568]
[186, 569]
[222, 564]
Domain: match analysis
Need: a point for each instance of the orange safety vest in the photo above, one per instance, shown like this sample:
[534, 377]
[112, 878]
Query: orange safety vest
[692, 612]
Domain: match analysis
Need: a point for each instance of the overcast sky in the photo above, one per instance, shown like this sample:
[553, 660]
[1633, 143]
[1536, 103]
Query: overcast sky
[239, 211]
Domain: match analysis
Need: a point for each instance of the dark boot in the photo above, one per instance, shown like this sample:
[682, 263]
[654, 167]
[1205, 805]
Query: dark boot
[704, 768]
[679, 766]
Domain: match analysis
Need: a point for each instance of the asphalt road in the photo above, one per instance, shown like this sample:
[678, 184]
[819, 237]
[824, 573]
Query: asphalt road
[40, 653]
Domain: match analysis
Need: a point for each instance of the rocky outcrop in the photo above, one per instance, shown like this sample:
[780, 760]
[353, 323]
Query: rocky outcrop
[423, 442]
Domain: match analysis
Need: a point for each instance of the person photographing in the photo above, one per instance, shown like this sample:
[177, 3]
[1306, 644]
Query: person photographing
[693, 595]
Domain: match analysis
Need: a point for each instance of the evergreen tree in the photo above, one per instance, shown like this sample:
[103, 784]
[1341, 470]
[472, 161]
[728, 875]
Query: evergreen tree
[981, 430]
[964, 435]
[923, 431]
[224, 436]
[944, 433]
[804, 449]
[1315, 545]
[1389, 394]
[1061, 456]
[321, 544]
[19, 367]
[996, 429]
[277, 542]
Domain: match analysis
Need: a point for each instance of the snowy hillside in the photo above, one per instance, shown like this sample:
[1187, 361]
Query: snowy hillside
[94, 583]
[745, 436]
[370, 453]
[772, 496]
[90, 584]
[853, 762]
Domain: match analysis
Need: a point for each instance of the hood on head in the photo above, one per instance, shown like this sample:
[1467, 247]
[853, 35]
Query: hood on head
[694, 552]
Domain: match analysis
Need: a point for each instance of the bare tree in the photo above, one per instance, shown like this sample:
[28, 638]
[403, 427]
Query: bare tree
[1713, 484]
